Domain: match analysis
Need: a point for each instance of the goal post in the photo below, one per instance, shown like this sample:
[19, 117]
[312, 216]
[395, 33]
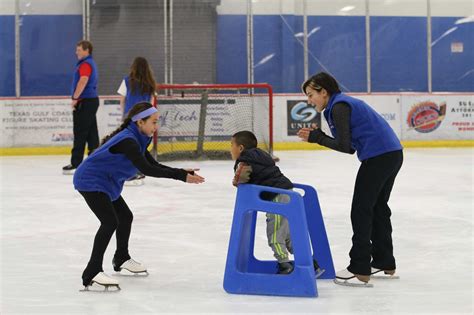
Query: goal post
[198, 120]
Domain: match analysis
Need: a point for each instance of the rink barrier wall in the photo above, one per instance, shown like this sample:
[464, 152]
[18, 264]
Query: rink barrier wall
[280, 146]
[38, 125]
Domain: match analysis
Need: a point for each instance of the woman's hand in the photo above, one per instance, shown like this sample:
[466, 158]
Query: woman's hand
[73, 104]
[194, 179]
[303, 133]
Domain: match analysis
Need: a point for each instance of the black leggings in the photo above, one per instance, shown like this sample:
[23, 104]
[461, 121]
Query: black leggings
[370, 214]
[114, 216]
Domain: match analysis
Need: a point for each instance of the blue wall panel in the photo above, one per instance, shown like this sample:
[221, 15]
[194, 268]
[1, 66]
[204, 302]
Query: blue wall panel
[48, 44]
[277, 54]
[274, 35]
[337, 46]
[399, 54]
[452, 71]
[7, 55]
[231, 46]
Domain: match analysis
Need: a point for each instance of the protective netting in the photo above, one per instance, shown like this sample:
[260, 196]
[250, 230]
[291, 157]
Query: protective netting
[198, 121]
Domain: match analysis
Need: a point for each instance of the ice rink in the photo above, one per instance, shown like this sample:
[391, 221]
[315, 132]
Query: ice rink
[181, 233]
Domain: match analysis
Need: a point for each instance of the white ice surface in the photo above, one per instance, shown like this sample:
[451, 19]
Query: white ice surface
[181, 232]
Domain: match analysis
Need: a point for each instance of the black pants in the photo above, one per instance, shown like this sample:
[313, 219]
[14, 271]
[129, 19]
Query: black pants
[114, 216]
[370, 214]
[85, 129]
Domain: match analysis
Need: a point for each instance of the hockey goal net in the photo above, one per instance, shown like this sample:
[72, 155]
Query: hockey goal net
[197, 121]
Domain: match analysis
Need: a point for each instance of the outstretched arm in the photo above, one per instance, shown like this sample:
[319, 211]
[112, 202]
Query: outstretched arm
[192, 176]
[130, 148]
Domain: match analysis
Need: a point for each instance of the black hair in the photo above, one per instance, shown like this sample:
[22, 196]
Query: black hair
[320, 81]
[137, 108]
[245, 138]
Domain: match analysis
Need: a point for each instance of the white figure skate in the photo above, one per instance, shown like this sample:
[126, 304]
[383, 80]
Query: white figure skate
[347, 278]
[104, 280]
[383, 274]
[132, 266]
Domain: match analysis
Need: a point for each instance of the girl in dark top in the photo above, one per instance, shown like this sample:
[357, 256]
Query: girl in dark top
[356, 127]
[100, 178]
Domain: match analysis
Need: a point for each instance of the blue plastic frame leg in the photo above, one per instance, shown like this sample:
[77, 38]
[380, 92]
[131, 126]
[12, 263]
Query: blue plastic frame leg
[317, 231]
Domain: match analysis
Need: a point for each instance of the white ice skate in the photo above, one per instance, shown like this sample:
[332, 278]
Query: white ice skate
[105, 280]
[383, 274]
[347, 278]
[133, 266]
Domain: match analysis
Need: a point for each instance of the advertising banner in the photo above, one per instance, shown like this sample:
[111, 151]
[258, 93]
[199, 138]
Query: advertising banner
[438, 117]
[48, 122]
[300, 115]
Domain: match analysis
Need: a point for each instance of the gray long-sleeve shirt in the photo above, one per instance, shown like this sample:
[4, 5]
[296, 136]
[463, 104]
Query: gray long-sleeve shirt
[341, 114]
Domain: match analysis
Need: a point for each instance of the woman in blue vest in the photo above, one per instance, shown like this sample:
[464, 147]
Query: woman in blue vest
[138, 86]
[100, 178]
[356, 127]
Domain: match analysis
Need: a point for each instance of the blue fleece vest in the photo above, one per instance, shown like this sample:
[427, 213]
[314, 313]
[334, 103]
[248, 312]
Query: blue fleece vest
[90, 91]
[371, 135]
[105, 171]
[132, 99]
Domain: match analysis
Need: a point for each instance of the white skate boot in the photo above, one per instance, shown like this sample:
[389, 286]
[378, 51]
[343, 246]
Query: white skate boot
[383, 274]
[347, 278]
[132, 266]
[105, 280]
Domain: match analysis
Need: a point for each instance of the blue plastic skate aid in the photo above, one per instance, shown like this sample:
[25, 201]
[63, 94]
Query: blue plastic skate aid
[244, 274]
